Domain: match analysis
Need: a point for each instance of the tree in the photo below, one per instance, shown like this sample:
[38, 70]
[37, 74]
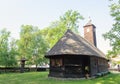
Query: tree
[7, 53]
[13, 52]
[114, 34]
[69, 20]
[31, 44]
[24, 41]
[39, 47]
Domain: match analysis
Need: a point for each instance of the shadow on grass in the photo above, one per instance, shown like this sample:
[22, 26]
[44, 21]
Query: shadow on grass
[112, 78]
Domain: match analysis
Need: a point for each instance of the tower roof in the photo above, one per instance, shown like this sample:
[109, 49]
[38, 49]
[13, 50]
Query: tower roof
[74, 44]
[89, 23]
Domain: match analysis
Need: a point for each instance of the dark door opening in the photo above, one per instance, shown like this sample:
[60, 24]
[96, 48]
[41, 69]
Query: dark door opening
[86, 65]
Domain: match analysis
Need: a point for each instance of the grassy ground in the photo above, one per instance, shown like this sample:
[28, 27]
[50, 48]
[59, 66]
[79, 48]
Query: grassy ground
[41, 78]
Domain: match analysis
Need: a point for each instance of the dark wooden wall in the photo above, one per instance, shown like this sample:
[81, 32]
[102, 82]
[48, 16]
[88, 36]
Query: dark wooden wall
[74, 66]
[93, 66]
[56, 67]
[98, 65]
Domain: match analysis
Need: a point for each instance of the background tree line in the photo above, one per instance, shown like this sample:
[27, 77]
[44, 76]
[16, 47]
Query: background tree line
[31, 46]
[34, 42]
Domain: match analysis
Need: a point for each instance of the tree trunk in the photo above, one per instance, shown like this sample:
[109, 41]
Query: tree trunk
[36, 66]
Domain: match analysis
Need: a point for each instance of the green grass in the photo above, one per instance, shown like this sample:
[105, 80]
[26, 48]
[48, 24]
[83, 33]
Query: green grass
[42, 78]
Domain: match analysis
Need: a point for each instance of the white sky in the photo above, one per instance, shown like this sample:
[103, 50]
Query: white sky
[14, 13]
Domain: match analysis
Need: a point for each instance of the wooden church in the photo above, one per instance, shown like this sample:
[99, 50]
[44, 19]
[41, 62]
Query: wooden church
[74, 56]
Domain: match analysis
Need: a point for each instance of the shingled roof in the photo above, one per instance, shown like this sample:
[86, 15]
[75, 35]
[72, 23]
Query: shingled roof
[74, 44]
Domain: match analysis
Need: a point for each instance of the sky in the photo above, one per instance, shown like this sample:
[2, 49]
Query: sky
[14, 13]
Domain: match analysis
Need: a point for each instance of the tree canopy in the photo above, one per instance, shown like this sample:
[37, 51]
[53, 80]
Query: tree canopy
[114, 34]
[70, 20]
[31, 44]
[8, 51]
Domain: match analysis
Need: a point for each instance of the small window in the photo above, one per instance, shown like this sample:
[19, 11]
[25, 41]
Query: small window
[56, 62]
[88, 30]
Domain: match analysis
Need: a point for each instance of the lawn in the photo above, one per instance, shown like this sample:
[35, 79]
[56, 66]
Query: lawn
[41, 78]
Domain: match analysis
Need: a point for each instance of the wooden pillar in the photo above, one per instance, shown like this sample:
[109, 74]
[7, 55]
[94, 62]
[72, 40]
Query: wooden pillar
[22, 62]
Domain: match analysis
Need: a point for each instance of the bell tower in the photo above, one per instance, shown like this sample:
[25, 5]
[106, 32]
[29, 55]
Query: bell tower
[90, 33]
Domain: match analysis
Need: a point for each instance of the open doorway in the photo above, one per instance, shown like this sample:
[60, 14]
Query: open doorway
[86, 66]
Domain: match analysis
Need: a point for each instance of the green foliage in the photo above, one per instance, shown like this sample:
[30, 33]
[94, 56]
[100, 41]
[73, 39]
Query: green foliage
[114, 34]
[42, 78]
[13, 52]
[69, 20]
[31, 44]
[7, 51]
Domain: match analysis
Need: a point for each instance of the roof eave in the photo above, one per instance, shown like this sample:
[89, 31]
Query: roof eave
[48, 56]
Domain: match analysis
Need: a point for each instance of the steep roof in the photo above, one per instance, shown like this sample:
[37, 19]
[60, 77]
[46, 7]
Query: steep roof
[72, 43]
